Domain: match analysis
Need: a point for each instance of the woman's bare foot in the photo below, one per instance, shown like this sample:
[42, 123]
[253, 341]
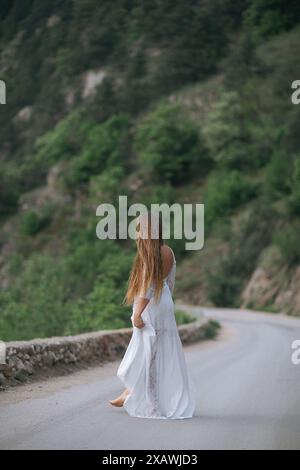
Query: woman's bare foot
[120, 400]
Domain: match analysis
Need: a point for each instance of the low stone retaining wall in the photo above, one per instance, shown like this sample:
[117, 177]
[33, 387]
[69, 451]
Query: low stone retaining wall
[27, 360]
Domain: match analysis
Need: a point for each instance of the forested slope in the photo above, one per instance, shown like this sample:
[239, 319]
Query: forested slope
[164, 102]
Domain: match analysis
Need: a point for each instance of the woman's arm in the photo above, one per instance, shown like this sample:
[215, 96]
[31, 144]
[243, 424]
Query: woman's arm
[140, 307]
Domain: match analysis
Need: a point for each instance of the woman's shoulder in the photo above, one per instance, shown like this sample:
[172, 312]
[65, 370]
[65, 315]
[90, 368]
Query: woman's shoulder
[167, 252]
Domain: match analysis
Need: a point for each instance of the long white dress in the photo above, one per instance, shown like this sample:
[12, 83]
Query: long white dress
[154, 367]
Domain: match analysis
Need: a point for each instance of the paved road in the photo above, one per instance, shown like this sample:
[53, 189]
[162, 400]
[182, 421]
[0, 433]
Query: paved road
[248, 398]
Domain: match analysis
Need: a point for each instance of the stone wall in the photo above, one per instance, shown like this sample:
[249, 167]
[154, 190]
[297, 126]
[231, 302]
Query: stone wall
[28, 360]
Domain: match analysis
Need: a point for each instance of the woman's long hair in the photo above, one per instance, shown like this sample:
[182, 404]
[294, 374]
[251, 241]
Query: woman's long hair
[147, 266]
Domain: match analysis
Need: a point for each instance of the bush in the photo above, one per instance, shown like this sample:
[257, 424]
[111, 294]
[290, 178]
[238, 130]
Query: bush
[89, 259]
[183, 318]
[224, 192]
[278, 174]
[106, 145]
[211, 329]
[269, 17]
[64, 141]
[33, 222]
[107, 184]
[235, 138]
[34, 306]
[170, 146]
[9, 187]
[294, 182]
[227, 275]
[287, 240]
[53, 296]
[101, 309]
[283, 180]
[157, 194]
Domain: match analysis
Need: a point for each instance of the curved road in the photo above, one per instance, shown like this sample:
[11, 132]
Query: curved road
[248, 398]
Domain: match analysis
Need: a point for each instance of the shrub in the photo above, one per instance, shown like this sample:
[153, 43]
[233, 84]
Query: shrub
[269, 17]
[182, 318]
[106, 145]
[227, 275]
[283, 180]
[211, 329]
[224, 192]
[53, 296]
[9, 187]
[34, 306]
[108, 182]
[294, 183]
[101, 309]
[235, 139]
[64, 141]
[170, 146]
[89, 259]
[287, 240]
[278, 174]
[224, 283]
[33, 222]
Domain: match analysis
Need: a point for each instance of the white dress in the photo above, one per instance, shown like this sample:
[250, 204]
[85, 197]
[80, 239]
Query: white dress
[154, 367]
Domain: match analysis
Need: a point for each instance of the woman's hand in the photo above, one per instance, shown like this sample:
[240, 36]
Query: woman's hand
[138, 322]
[137, 314]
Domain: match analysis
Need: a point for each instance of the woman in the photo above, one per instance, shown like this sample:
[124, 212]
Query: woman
[153, 368]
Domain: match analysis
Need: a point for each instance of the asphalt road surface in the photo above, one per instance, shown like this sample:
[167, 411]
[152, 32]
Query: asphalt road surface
[248, 398]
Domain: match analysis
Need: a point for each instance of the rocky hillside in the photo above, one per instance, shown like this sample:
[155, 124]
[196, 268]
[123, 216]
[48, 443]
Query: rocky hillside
[162, 101]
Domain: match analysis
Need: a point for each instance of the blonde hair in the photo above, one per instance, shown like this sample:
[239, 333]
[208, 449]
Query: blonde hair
[147, 266]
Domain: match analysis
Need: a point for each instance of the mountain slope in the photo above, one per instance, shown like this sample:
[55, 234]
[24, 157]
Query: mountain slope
[106, 100]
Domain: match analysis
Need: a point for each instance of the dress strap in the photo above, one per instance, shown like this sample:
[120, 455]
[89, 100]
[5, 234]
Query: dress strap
[174, 259]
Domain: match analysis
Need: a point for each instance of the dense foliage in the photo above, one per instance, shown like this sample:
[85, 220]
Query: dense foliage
[64, 151]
